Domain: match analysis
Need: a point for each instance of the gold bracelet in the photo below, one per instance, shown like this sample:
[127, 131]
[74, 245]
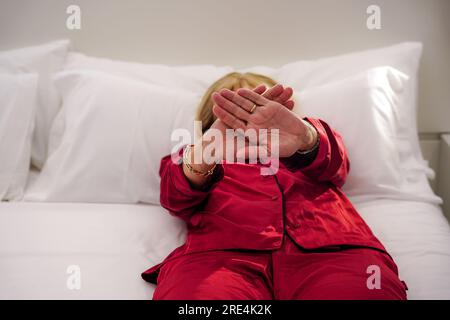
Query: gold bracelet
[316, 144]
[186, 161]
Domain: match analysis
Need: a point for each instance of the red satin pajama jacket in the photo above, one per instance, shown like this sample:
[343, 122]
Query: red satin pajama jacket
[242, 209]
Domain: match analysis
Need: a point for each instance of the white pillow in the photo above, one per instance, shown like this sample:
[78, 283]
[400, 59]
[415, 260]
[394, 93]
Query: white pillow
[44, 60]
[115, 132]
[365, 109]
[195, 78]
[17, 110]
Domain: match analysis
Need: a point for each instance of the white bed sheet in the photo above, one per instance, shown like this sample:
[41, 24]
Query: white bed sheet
[417, 235]
[112, 244]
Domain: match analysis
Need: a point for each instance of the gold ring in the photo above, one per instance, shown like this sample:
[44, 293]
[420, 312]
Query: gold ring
[253, 108]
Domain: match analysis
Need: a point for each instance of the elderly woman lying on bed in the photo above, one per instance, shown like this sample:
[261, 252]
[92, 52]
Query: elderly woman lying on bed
[292, 234]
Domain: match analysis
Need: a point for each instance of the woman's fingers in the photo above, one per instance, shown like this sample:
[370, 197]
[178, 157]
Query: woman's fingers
[238, 100]
[252, 97]
[229, 119]
[285, 95]
[289, 104]
[240, 103]
[260, 89]
[224, 100]
[274, 92]
[281, 95]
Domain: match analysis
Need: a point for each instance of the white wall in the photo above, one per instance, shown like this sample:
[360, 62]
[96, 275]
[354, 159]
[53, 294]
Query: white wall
[243, 33]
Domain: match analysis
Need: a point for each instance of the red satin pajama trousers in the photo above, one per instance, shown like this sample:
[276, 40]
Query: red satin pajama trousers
[287, 273]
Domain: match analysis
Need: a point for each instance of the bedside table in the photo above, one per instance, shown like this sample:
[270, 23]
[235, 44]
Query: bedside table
[443, 181]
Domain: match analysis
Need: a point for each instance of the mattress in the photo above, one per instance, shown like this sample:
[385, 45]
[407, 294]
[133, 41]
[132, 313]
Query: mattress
[109, 245]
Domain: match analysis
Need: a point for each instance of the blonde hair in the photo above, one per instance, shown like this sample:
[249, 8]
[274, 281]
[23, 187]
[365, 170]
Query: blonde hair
[231, 81]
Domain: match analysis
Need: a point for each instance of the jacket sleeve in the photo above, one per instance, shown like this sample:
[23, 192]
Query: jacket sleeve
[330, 160]
[177, 195]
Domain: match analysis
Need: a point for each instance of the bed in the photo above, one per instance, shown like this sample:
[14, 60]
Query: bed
[113, 244]
[89, 222]
[75, 231]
